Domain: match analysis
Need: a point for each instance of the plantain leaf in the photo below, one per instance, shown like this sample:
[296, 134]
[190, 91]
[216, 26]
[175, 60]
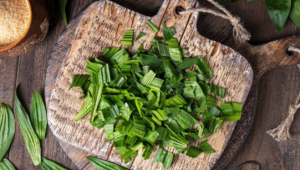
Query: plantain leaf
[152, 26]
[295, 12]
[278, 11]
[141, 34]
[78, 81]
[32, 141]
[38, 115]
[167, 32]
[86, 108]
[147, 152]
[49, 165]
[6, 165]
[205, 147]
[193, 152]
[7, 129]
[127, 38]
[104, 165]
[164, 157]
[97, 93]
[63, 4]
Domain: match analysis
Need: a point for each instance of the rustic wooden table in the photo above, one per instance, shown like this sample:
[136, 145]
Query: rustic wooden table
[277, 89]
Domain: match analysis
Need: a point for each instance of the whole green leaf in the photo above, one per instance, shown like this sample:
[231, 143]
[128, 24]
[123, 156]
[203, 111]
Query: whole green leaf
[49, 165]
[32, 141]
[6, 165]
[295, 12]
[63, 10]
[7, 129]
[38, 115]
[104, 165]
[279, 11]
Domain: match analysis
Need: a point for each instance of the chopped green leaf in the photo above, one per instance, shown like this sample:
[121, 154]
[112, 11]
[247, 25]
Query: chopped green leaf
[175, 52]
[127, 38]
[219, 91]
[167, 32]
[185, 120]
[148, 78]
[147, 152]
[109, 131]
[205, 147]
[152, 26]
[149, 60]
[78, 81]
[141, 34]
[193, 152]
[188, 63]
[151, 137]
[204, 67]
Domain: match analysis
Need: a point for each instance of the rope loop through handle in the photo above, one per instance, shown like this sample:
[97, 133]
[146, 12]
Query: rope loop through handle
[240, 34]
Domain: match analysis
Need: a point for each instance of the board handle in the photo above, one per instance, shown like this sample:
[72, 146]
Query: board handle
[262, 58]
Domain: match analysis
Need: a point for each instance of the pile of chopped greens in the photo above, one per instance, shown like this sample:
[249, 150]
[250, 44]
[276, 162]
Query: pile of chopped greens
[153, 99]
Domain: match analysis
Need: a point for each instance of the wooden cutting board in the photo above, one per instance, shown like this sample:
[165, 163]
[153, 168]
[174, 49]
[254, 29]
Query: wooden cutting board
[102, 25]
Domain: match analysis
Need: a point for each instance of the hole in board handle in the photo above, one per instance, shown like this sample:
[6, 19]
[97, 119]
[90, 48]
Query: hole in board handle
[179, 9]
[289, 53]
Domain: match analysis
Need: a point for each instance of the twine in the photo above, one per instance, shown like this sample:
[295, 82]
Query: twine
[282, 132]
[240, 34]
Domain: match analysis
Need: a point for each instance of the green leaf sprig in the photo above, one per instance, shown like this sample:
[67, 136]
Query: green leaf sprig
[7, 129]
[31, 139]
[50, 165]
[38, 115]
[6, 165]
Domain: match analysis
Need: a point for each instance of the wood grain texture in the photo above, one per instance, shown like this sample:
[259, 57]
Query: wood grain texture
[276, 89]
[228, 66]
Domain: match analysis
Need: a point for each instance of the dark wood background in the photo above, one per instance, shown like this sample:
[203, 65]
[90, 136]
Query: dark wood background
[277, 89]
